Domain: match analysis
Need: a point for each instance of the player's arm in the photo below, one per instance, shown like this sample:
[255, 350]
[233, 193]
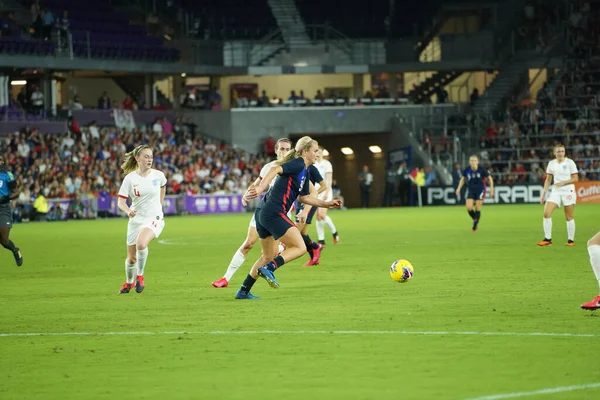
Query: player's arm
[461, 183]
[122, 204]
[574, 178]
[313, 201]
[163, 191]
[547, 184]
[255, 191]
[491, 183]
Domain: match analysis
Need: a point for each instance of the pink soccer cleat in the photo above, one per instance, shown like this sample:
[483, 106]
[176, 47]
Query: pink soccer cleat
[592, 305]
[221, 283]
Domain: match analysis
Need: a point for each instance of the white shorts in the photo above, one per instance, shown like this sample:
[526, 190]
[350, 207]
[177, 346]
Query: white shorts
[134, 228]
[563, 199]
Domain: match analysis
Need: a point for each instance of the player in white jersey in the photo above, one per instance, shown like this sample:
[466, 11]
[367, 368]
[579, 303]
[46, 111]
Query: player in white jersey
[564, 173]
[282, 146]
[593, 246]
[146, 189]
[326, 170]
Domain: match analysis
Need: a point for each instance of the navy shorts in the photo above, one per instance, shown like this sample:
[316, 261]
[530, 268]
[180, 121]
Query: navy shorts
[300, 207]
[272, 224]
[475, 193]
[6, 220]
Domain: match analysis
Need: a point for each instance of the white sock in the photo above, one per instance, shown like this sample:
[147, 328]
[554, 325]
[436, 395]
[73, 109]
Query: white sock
[547, 228]
[281, 247]
[330, 224]
[142, 256]
[130, 271]
[571, 229]
[320, 230]
[236, 262]
[594, 252]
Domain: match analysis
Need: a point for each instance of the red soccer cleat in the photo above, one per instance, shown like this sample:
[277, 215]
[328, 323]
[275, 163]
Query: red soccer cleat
[592, 305]
[316, 256]
[545, 242]
[125, 288]
[336, 238]
[139, 284]
[220, 283]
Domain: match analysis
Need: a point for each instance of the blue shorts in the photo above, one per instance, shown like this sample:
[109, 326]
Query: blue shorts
[273, 224]
[475, 193]
[300, 207]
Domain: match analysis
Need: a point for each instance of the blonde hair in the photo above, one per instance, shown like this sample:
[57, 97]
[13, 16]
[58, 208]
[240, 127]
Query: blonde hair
[557, 146]
[475, 157]
[304, 143]
[130, 163]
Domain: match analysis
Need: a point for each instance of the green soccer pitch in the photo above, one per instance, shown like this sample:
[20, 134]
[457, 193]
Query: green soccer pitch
[487, 315]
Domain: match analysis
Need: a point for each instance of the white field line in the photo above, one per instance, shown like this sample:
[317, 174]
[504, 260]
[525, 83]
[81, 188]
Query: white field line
[561, 389]
[302, 332]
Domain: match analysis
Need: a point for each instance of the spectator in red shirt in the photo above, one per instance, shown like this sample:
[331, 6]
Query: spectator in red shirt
[270, 146]
[128, 103]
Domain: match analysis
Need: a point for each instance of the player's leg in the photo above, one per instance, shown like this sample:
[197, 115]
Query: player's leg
[268, 247]
[593, 246]
[130, 269]
[239, 257]
[146, 235]
[133, 231]
[9, 245]
[478, 205]
[469, 202]
[549, 208]
[330, 224]
[313, 248]
[321, 225]
[284, 230]
[569, 207]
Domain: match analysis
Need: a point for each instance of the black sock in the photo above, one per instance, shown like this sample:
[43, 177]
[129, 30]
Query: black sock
[322, 242]
[477, 215]
[247, 285]
[314, 245]
[308, 244]
[10, 246]
[275, 263]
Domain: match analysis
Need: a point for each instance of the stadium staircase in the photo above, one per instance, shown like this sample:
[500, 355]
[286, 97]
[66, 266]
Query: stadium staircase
[290, 22]
[431, 85]
[134, 86]
[511, 74]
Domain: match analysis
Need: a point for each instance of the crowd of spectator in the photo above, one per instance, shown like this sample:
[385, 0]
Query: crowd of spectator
[84, 163]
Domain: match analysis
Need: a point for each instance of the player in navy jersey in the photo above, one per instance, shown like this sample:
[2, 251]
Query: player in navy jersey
[305, 214]
[8, 191]
[475, 176]
[272, 222]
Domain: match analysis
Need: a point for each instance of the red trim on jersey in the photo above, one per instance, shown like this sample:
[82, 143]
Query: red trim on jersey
[284, 216]
[288, 190]
[165, 185]
[123, 197]
[260, 177]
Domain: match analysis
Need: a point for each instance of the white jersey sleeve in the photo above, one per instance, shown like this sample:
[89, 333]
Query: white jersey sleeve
[162, 178]
[265, 171]
[125, 189]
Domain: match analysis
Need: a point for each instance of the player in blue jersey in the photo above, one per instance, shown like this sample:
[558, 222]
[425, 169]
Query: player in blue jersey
[272, 223]
[305, 214]
[8, 191]
[475, 176]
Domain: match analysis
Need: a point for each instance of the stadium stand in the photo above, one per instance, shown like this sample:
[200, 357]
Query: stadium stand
[86, 164]
[96, 31]
[231, 19]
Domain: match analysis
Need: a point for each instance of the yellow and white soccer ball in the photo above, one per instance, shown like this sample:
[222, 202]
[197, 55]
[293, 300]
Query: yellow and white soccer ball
[401, 271]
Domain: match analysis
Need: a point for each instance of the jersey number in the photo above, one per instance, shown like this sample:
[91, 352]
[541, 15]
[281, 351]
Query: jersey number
[1, 183]
[136, 192]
